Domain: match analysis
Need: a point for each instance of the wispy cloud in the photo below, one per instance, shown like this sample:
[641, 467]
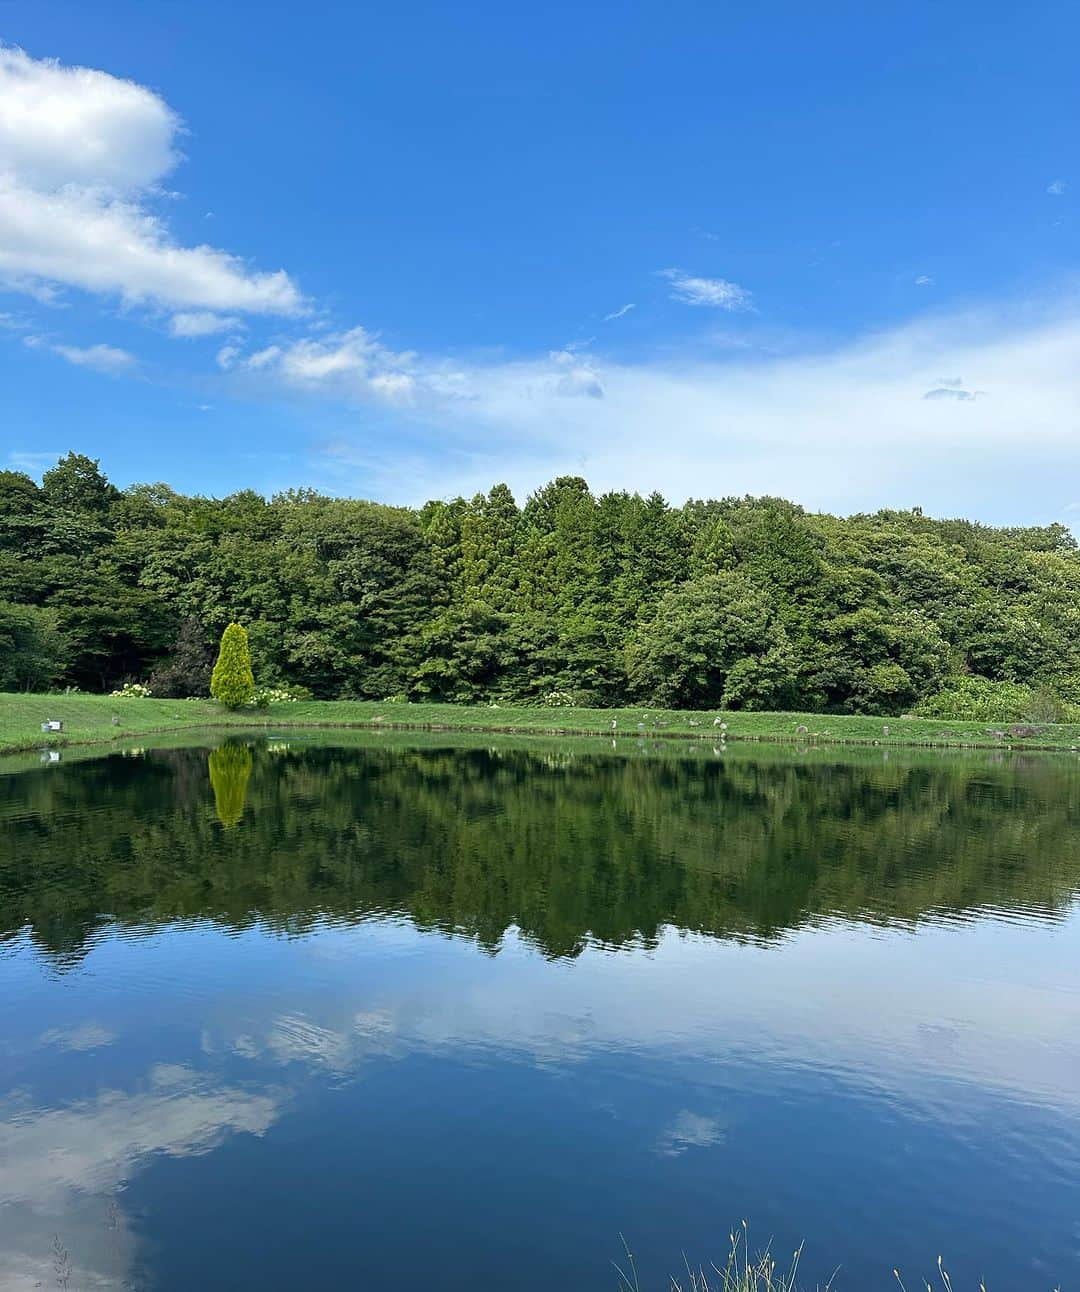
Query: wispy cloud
[735, 422]
[924, 280]
[1056, 187]
[84, 157]
[618, 314]
[952, 388]
[109, 359]
[717, 293]
[33, 462]
[195, 323]
[358, 367]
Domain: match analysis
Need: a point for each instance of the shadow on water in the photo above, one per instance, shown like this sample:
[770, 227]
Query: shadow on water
[569, 848]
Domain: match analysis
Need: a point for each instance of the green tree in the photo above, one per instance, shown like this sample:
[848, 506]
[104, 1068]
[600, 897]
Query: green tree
[77, 482]
[33, 650]
[186, 673]
[232, 682]
[711, 641]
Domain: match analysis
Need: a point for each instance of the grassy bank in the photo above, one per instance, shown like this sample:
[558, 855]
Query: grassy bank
[90, 719]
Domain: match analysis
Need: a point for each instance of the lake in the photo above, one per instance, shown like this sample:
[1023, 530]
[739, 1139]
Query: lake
[381, 1011]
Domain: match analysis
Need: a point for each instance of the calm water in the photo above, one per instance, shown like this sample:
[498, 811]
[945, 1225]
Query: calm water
[297, 1015]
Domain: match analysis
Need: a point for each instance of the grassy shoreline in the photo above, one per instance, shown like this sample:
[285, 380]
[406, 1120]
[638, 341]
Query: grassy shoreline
[89, 719]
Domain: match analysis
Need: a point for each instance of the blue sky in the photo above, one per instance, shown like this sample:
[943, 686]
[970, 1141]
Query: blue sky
[408, 250]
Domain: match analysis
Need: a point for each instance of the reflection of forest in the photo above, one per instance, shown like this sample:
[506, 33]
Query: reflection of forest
[564, 847]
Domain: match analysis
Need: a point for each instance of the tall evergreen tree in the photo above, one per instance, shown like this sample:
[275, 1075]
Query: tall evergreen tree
[232, 682]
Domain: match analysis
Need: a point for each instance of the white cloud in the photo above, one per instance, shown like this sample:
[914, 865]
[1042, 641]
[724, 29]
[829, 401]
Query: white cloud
[72, 125]
[841, 428]
[715, 292]
[1057, 187]
[82, 153]
[109, 359]
[354, 364]
[618, 314]
[201, 323]
[576, 376]
[924, 280]
[357, 366]
[227, 356]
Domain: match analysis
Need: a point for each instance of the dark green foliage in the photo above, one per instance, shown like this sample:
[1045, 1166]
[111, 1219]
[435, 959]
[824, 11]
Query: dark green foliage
[713, 641]
[746, 602]
[33, 650]
[186, 671]
[76, 483]
[232, 682]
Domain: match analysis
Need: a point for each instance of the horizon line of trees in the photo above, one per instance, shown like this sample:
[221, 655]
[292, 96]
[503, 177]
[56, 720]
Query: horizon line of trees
[617, 598]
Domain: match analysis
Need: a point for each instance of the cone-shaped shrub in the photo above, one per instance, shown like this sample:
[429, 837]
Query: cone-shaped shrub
[232, 682]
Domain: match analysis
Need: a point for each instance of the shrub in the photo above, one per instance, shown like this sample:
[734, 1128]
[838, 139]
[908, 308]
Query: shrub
[1044, 706]
[558, 700]
[186, 672]
[265, 696]
[232, 682]
[977, 699]
[132, 690]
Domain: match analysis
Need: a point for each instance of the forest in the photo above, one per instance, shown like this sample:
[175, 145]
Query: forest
[745, 603]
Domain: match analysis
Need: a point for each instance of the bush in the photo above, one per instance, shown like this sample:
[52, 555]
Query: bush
[132, 691]
[186, 672]
[265, 696]
[1045, 706]
[977, 699]
[558, 700]
[232, 682]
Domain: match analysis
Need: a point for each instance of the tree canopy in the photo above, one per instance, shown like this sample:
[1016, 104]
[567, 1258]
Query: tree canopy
[617, 598]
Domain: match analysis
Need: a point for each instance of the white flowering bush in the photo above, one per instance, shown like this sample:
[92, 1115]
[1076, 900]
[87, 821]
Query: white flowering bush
[132, 691]
[558, 699]
[265, 696]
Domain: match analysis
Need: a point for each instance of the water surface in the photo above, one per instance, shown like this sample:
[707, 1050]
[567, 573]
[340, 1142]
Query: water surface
[291, 1013]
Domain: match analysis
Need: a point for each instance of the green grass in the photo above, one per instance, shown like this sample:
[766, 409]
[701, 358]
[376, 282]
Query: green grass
[88, 719]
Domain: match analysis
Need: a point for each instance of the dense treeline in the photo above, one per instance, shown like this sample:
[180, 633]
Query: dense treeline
[564, 848]
[744, 602]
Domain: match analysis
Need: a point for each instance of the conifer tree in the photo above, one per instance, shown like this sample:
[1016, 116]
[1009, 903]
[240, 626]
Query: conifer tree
[232, 682]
